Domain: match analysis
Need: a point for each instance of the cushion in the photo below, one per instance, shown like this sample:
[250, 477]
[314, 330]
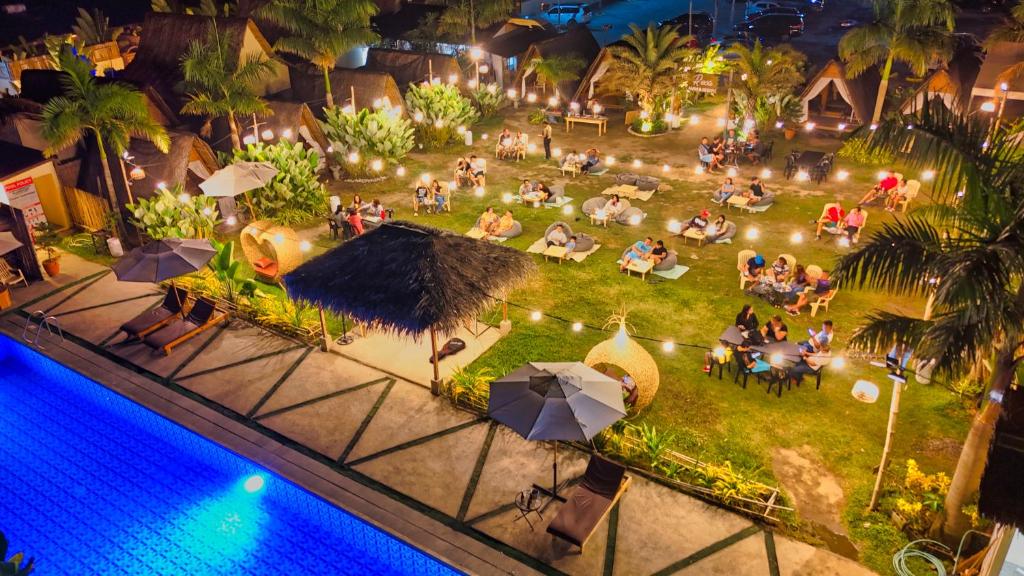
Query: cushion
[516, 230]
[726, 234]
[627, 178]
[585, 243]
[551, 228]
[669, 262]
[647, 183]
[628, 213]
[556, 192]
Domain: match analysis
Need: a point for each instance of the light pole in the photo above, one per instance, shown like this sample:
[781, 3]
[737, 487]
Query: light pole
[475, 53]
[867, 392]
[1004, 87]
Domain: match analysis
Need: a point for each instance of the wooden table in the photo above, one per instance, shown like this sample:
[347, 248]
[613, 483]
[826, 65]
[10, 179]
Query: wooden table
[600, 121]
[595, 219]
[476, 233]
[737, 201]
[640, 266]
[557, 252]
[627, 191]
[694, 234]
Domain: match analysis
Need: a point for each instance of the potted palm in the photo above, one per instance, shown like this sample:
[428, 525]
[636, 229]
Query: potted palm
[47, 238]
[789, 111]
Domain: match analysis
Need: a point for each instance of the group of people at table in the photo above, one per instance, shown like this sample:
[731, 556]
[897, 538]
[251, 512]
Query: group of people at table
[716, 153]
[792, 287]
[582, 163]
[358, 214]
[755, 193]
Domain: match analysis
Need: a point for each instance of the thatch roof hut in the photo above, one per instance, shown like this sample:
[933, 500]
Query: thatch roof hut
[578, 42]
[831, 98]
[1001, 484]
[369, 87]
[407, 66]
[290, 120]
[993, 73]
[422, 279]
[951, 83]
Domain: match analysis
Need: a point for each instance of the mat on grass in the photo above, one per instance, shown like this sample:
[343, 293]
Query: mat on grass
[540, 245]
[672, 274]
[481, 235]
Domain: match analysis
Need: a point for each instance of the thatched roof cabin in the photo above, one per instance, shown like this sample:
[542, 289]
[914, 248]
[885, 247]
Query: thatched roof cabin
[993, 73]
[1001, 484]
[951, 83]
[407, 66]
[368, 86]
[578, 42]
[831, 98]
[289, 120]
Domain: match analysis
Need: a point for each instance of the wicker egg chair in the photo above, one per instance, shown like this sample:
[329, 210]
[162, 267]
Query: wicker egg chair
[625, 353]
[272, 250]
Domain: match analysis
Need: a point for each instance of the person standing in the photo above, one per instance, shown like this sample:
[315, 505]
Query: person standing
[547, 140]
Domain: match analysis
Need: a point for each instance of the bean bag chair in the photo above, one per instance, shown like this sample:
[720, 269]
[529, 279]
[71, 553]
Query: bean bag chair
[725, 234]
[669, 262]
[628, 213]
[516, 230]
[568, 230]
[593, 205]
[767, 200]
[585, 242]
[556, 192]
[626, 178]
[647, 183]
[597, 169]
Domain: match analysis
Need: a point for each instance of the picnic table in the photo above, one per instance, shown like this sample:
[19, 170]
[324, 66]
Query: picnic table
[737, 201]
[694, 234]
[623, 190]
[600, 121]
[557, 252]
[790, 351]
[641, 267]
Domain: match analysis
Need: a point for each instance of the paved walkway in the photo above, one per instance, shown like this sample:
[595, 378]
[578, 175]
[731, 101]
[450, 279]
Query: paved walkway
[393, 436]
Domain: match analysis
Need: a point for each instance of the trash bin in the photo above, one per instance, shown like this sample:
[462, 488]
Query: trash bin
[469, 137]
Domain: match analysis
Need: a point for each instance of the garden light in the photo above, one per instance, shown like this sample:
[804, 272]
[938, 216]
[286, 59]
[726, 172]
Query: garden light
[719, 353]
[476, 53]
[483, 136]
[645, 114]
[207, 211]
[418, 116]
[873, 127]
[479, 191]
[575, 106]
[552, 102]
[137, 173]
[720, 122]
[928, 175]
[669, 117]
[769, 62]
[377, 103]
[675, 226]
[536, 315]
[694, 119]
[377, 165]
[511, 94]
[557, 152]
[425, 177]
[531, 148]
[865, 391]
[635, 220]
[989, 106]
[743, 76]
[184, 198]
[881, 175]
[610, 160]
[711, 230]
[330, 149]
[278, 238]
[842, 175]
[161, 185]
[597, 108]
[844, 242]
[839, 362]
[267, 134]
[1004, 86]
[796, 238]
[731, 172]
[438, 123]
[779, 124]
[809, 126]
[637, 163]
[531, 97]
[665, 167]
[752, 233]
[567, 209]
[841, 126]
[348, 109]
[766, 173]
[577, 326]
[249, 139]
[353, 157]
[802, 176]
[536, 203]
[253, 484]
[748, 125]
[699, 169]
[231, 221]
[492, 88]
[287, 134]
[484, 68]
[305, 246]
[461, 129]
[453, 78]
[507, 197]
[400, 171]
[668, 346]
[646, 127]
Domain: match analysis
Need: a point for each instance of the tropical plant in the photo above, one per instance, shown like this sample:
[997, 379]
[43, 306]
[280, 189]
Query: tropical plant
[553, 70]
[763, 77]
[537, 116]
[47, 236]
[381, 134]
[462, 15]
[655, 443]
[295, 194]
[320, 31]
[92, 27]
[205, 8]
[1011, 30]
[438, 110]
[286, 315]
[16, 565]
[645, 65]
[488, 99]
[470, 383]
[915, 32]
[228, 272]
[967, 250]
[110, 112]
[857, 149]
[165, 215]
[219, 85]
[919, 500]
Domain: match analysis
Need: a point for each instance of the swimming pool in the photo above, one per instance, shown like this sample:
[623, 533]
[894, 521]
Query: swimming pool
[92, 483]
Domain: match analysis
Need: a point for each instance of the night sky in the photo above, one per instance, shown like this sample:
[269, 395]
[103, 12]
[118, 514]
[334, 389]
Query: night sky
[56, 16]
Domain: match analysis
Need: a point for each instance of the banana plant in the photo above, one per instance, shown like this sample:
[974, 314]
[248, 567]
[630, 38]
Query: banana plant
[382, 134]
[228, 272]
[171, 213]
[488, 99]
[438, 111]
[295, 194]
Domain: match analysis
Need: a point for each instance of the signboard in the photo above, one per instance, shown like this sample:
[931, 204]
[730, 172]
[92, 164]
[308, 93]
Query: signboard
[23, 196]
[702, 83]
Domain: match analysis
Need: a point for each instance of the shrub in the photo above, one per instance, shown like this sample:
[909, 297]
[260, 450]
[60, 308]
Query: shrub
[488, 99]
[164, 215]
[373, 134]
[295, 194]
[466, 385]
[438, 111]
[920, 499]
[856, 150]
[655, 125]
[232, 283]
[537, 116]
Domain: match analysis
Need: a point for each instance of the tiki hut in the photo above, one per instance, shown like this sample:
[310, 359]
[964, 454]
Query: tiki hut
[951, 83]
[578, 42]
[423, 279]
[289, 120]
[367, 86]
[407, 66]
[831, 98]
[1001, 484]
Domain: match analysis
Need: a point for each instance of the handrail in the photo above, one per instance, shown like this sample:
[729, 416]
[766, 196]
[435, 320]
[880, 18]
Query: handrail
[48, 322]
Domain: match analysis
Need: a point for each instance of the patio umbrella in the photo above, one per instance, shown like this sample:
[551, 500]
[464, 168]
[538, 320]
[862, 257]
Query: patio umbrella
[556, 401]
[239, 178]
[8, 243]
[410, 279]
[164, 260]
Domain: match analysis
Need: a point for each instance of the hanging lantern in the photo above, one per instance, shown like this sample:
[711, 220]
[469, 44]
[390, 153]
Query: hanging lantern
[137, 173]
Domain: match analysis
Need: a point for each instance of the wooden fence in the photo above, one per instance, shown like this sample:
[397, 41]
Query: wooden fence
[87, 210]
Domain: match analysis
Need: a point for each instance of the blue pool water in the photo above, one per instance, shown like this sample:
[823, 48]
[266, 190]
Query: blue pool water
[92, 483]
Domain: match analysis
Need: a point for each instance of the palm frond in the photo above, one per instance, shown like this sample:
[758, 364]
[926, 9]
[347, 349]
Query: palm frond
[898, 259]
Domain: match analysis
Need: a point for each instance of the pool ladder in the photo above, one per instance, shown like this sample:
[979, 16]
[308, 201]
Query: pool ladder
[32, 330]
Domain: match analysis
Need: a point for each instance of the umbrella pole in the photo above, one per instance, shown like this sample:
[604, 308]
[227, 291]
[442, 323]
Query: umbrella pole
[435, 384]
[252, 211]
[554, 473]
[326, 347]
[181, 305]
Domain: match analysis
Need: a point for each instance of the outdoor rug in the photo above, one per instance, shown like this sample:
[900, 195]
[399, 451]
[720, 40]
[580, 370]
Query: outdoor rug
[757, 208]
[540, 245]
[674, 274]
[644, 195]
[559, 202]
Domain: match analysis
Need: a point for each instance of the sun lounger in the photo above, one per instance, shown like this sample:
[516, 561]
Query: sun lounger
[201, 317]
[602, 486]
[158, 317]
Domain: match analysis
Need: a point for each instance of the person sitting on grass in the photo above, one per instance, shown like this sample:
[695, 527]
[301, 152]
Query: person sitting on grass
[590, 159]
[853, 223]
[658, 253]
[779, 271]
[477, 171]
[557, 237]
[698, 222]
[818, 340]
[421, 198]
[810, 363]
[775, 330]
[488, 220]
[881, 190]
[832, 219]
[755, 193]
[504, 224]
[822, 288]
[355, 220]
[613, 207]
[707, 156]
[754, 268]
[641, 250]
[724, 192]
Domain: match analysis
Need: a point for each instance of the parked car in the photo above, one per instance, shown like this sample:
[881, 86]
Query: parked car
[776, 10]
[568, 14]
[703, 24]
[771, 27]
[759, 6]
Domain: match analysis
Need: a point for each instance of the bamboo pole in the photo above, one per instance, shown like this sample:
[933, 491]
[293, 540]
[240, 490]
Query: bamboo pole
[326, 346]
[890, 432]
[435, 384]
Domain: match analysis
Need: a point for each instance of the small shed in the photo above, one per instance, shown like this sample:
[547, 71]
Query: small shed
[22, 167]
[994, 73]
[407, 66]
[578, 42]
[831, 98]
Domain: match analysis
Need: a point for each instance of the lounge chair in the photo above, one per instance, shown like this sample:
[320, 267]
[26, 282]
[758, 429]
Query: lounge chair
[10, 275]
[156, 318]
[201, 317]
[602, 486]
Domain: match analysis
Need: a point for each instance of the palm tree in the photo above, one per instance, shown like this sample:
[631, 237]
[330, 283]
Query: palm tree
[646, 66]
[971, 245]
[914, 32]
[1012, 30]
[473, 14]
[766, 75]
[321, 31]
[110, 112]
[554, 70]
[219, 85]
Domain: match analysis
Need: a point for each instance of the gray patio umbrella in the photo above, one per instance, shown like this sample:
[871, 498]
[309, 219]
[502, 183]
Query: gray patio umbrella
[239, 178]
[556, 401]
[8, 243]
[164, 260]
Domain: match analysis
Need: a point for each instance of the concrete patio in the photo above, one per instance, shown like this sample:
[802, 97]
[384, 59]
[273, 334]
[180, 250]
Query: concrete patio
[385, 430]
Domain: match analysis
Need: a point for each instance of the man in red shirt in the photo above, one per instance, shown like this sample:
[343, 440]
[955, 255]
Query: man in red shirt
[882, 189]
[833, 217]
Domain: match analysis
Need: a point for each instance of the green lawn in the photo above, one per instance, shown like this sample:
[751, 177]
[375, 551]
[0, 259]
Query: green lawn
[713, 420]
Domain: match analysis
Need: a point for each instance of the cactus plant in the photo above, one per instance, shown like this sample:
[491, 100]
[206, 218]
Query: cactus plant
[381, 134]
[295, 195]
[438, 111]
[171, 213]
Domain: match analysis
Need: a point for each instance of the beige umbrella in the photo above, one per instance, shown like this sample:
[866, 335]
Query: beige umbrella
[239, 178]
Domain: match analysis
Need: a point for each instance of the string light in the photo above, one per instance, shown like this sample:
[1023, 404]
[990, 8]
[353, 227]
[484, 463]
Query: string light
[531, 97]
[779, 124]
[809, 126]
[479, 191]
[577, 326]
[400, 171]
[842, 175]
[567, 209]
[842, 126]
[668, 346]
[637, 163]
[694, 119]
[766, 173]
[535, 315]
[377, 165]
[610, 160]
[665, 167]
[731, 172]
[752, 233]
[507, 197]
[305, 246]
[802, 176]
[873, 127]
[796, 238]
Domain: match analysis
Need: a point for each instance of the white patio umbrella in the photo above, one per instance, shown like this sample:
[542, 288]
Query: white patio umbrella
[556, 401]
[239, 178]
[8, 243]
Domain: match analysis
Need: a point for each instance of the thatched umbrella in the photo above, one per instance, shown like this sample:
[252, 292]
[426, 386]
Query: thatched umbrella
[410, 279]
